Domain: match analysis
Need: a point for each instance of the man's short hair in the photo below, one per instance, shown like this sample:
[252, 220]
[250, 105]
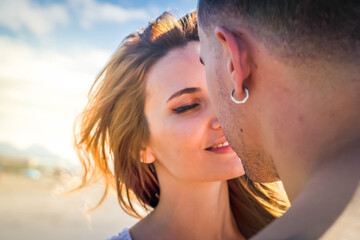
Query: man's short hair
[299, 28]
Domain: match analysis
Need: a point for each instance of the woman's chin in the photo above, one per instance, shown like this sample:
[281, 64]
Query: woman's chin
[231, 174]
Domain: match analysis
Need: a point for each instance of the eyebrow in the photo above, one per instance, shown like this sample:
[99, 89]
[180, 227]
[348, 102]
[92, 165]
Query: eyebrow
[183, 91]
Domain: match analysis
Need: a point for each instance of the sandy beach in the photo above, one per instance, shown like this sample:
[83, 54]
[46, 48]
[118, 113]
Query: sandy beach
[33, 209]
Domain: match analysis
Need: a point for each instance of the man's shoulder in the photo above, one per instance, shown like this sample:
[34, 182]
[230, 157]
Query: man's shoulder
[330, 214]
[347, 226]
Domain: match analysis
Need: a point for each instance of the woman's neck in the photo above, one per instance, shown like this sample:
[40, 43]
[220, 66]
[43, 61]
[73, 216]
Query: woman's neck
[189, 210]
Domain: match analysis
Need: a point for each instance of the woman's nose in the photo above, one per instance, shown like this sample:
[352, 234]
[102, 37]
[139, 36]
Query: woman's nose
[213, 120]
[215, 124]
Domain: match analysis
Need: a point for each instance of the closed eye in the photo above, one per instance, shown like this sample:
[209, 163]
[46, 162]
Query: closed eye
[183, 109]
[201, 61]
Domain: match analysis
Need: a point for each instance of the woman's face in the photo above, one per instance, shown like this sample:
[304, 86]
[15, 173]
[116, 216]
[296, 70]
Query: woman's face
[185, 136]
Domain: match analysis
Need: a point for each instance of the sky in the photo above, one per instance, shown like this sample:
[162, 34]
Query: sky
[51, 53]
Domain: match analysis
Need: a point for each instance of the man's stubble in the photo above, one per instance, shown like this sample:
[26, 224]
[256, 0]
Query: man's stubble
[258, 165]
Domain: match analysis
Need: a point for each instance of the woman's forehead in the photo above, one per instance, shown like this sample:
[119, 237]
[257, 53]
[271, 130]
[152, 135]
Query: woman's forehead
[179, 69]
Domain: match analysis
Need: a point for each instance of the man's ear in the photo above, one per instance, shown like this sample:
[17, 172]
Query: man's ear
[237, 58]
[147, 155]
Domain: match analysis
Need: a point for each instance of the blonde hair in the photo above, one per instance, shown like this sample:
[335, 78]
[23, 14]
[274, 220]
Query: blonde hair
[112, 130]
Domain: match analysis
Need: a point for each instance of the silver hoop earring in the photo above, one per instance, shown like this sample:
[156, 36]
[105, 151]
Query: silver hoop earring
[241, 101]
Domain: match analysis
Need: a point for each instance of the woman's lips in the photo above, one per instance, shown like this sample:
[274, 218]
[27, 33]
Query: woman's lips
[220, 150]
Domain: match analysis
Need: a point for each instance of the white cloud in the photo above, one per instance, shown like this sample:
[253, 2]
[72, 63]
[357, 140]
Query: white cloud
[42, 91]
[91, 11]
[41, 19]
[22, 62]
[27, 14]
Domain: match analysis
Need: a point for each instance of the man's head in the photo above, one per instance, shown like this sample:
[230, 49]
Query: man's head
[293, 57]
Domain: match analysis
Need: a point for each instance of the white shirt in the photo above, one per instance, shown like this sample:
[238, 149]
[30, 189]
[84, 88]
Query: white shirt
[123, 235]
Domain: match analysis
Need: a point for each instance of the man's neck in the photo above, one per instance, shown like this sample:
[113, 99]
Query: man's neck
[298, 169]
[324, 197]
[326, 124]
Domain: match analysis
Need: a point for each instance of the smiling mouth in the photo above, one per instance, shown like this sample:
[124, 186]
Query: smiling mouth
[220, 148]
[224, 144]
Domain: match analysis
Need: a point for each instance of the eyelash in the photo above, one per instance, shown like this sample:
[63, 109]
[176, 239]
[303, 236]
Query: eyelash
[183, 109]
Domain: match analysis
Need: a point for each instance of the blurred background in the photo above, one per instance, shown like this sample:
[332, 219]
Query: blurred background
[50, 53]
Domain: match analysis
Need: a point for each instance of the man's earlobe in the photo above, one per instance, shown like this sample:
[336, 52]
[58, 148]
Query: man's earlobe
[147, 155]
